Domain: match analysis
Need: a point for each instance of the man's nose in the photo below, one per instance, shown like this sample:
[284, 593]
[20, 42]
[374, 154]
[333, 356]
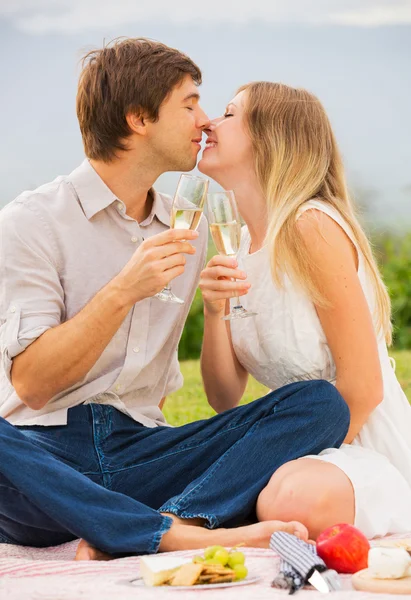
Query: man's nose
[203, 122]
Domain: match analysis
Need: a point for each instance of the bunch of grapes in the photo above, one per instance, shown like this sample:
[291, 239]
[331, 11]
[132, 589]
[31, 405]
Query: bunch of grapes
[218, 555]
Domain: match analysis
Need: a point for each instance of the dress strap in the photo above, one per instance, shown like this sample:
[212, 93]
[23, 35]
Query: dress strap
[333, 213]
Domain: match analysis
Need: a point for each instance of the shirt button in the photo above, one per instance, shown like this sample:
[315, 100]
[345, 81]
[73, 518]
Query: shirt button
[13, 309]
[120, 206]
[136, 349]
[134, 239]
[118, 387]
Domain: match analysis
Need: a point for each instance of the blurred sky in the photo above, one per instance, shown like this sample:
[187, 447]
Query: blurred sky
[354, 54]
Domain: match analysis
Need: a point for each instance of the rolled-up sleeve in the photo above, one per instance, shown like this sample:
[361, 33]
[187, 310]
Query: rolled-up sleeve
[31, 294]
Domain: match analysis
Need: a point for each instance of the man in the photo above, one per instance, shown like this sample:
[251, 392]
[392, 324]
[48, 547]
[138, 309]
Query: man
[88, 352]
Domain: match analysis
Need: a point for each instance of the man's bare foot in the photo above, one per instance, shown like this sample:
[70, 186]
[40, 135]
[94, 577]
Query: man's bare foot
[86, 551]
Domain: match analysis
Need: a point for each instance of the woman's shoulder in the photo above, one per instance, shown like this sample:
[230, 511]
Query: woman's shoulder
[317, 205]
[319, 216]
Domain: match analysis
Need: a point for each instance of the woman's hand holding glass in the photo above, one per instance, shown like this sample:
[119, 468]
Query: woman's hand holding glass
[225, 227]
[217, 285]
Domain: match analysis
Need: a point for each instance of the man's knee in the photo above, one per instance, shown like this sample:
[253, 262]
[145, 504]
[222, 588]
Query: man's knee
[331, 408]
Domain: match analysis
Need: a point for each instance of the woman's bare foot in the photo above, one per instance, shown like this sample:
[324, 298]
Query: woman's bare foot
[86, 551]
[189, 537]
[262, 539]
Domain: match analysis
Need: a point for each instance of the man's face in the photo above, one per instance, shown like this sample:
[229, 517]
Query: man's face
[175, 138]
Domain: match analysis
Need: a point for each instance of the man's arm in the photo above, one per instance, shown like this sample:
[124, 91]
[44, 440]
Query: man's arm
[64, 354]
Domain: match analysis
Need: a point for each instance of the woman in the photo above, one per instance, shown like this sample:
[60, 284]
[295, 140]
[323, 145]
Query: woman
[306, 267]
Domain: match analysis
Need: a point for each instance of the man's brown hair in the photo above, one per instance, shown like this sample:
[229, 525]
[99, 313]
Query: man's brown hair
[129, 75]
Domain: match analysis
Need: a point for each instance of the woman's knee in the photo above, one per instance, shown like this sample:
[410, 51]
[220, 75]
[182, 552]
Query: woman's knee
[282, 498]
[314, 493]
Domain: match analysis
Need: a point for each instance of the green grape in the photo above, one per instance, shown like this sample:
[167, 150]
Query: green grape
[236, 558]
[212, 561]
[221, 556]
[211, 550]
[198, 559]
[241, 571]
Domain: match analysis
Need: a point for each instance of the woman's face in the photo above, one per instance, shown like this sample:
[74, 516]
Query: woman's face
[228, 148]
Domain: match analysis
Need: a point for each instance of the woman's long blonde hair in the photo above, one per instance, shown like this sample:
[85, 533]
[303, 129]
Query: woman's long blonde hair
[297, 159]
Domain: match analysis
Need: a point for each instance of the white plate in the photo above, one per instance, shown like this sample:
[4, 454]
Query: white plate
[209, 586]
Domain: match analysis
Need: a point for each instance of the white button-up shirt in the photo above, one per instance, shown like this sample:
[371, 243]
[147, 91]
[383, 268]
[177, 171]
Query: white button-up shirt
[59, 245]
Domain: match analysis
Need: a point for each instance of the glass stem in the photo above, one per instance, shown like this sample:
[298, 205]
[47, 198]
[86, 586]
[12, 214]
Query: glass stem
[237, 299]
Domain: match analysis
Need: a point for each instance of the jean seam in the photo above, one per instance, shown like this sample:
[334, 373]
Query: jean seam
[166, 523]
[184, 498]
[213, 521]
[109, 425]
[96, 443]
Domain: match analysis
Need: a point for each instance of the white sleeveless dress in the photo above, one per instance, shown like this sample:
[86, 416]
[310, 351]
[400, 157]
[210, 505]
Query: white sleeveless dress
[286, 343]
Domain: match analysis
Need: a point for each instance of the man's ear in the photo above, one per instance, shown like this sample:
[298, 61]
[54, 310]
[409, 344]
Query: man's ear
[137, 123]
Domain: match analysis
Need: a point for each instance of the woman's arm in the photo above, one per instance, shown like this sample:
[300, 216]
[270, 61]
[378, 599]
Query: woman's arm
[223, 376]
[347, 322]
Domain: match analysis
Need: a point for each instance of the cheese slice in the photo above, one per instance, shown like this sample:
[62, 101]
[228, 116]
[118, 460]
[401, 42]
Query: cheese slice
[156, 569]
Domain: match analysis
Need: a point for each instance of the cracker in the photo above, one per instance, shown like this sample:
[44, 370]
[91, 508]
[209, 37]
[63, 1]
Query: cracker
[187, 574]
[221, 570]
[222, 579]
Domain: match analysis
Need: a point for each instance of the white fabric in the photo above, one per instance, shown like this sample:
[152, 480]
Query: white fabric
[286, 343]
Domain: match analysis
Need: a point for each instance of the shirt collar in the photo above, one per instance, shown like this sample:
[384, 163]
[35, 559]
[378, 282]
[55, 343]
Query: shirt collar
[160, 209]
[91, 190]
[95, 196]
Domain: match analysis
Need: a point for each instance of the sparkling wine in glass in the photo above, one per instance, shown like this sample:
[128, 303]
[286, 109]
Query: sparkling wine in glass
[186, 213]
[225, 227]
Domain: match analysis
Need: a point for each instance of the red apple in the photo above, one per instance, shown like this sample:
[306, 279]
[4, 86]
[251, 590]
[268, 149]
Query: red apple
[343, 548]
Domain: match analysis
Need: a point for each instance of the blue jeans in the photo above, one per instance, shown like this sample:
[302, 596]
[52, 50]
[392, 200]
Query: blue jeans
[107, 479]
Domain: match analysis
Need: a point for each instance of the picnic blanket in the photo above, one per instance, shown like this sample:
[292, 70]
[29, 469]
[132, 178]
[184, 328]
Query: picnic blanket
[51, 574]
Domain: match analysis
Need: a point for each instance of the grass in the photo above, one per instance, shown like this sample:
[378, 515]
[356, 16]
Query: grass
[190, 404]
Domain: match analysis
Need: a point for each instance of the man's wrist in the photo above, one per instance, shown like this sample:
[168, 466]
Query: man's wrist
[120, 297]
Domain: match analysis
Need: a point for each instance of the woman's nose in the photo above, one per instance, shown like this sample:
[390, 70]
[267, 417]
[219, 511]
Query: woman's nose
[212, 125]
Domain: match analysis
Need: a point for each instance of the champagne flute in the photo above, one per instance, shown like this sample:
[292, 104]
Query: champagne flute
[225, 227]
[186, 213]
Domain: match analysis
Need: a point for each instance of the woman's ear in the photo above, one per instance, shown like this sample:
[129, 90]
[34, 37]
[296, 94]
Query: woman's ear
[137, 123]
